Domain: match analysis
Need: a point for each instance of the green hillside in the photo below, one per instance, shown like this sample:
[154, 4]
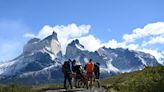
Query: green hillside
[16, 88]
[151, 79]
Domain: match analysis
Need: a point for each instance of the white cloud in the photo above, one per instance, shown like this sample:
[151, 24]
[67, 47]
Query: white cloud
[132, 46]
[65, 33]
[154, 33]
[12, 30]
[72, 30]
[143, 39]
[90, 42]
[154, 40]
[113, 44]
[29, 35]
[68, 31]
[148, 36]
[153, 29]
[45, 31]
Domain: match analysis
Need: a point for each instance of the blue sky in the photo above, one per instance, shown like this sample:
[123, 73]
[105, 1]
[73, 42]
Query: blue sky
[109, 20]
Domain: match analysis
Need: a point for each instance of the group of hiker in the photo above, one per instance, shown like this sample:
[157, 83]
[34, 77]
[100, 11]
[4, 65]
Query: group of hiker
[73, 71]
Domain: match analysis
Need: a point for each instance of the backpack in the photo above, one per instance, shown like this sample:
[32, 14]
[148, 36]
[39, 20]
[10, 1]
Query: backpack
[65, 67]
[97, 71]
[96, 68]
[90, 67]
[78, 69]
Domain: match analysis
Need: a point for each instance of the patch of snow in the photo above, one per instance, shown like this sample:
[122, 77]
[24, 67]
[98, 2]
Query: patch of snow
[158, 55]
[115, 55]
[86, 60]
[105, 57]
[51, 67]
[101, 51]
[6, 65]
[131, 70]
[111, 67]
[43, 71]
[104, 70]
[142, 60]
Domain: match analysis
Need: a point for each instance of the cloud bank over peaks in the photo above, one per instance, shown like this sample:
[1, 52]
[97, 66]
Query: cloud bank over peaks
[154, 32]
[90, 42]
[149, 39]
[141, 39]
[66, 33]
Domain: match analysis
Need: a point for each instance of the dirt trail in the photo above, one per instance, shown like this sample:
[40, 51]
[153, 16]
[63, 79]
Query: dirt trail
[77, 90]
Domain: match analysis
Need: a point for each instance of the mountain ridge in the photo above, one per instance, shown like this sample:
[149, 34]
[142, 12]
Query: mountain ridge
[41, 60]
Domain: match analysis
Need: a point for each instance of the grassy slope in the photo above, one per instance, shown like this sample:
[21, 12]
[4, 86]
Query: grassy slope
[151, 79]
[15, 88]
[23, 88]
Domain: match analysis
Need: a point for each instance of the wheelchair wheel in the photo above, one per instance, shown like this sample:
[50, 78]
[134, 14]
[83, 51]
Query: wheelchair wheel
[80, 83]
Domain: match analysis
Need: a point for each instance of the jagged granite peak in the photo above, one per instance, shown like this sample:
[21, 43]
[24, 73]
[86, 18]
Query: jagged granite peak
[75, 43]
[127, 60]
[75, 48]
[41, 61]
[146, 58]
[49, 44]
[33, 40]
[38, 56]
[52, 36]
[52, 44]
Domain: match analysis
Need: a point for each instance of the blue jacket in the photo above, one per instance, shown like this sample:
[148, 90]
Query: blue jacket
[69, 66]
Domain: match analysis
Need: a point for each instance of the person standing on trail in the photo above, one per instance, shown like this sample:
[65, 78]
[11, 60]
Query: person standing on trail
[67, 70]
[74, 71]
[74, 66]
[90, 71]
[97, 73]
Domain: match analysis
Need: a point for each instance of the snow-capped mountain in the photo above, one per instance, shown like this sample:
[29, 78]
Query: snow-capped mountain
[74, 49]
[113, 61]
[50, 44]
[126, 60]
[41, 60]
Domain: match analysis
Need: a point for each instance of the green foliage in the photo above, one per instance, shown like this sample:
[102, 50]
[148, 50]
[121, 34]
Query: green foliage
[15, 88]
[151, 79]
[26, 88]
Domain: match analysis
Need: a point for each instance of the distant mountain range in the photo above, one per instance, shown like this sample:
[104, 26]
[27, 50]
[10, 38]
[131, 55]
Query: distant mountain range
[41, 60]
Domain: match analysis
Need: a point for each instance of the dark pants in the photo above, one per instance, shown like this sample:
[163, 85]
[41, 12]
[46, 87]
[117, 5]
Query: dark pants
[67, 76]
[97, 75]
